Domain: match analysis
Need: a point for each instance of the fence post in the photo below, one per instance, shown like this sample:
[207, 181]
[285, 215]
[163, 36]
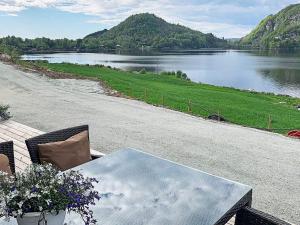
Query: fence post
[189, 106]
[269, 123]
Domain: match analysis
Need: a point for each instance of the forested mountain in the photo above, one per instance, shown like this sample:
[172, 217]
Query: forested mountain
[39, 44]
[148, 30]
[138, 31]
[281, 30]
[96, 34]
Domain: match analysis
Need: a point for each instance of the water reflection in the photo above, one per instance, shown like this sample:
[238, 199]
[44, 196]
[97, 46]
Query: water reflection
[283, 77]
[276, 72]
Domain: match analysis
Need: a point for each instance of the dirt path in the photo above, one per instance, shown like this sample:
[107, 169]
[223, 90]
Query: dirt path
[270, 163]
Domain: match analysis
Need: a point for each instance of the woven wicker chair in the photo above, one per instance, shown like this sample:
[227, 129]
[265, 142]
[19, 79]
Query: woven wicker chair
[250, 216]
[60, 135]
[7, 148]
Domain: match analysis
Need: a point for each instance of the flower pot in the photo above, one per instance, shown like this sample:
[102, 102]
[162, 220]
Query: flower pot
[40, 219]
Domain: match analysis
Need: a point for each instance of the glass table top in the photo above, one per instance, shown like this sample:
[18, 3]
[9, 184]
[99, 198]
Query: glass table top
[140, 189]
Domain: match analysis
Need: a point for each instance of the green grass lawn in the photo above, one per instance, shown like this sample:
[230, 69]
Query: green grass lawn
[239, 107]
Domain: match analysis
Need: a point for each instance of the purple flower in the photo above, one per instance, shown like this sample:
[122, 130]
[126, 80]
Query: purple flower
[53, 191]
[34, 190]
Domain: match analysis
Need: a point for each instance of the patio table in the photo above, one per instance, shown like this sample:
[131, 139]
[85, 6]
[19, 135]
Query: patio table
[140, 189]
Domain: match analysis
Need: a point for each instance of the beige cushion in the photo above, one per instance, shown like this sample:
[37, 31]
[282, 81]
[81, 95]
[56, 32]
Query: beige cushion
[4, 164]
[66, 154]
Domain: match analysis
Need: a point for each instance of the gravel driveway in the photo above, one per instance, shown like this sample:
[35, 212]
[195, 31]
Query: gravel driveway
[268, 162]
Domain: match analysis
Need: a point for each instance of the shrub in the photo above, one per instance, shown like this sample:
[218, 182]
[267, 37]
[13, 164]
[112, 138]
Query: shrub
[184, 76]
[164, 73]
[4, 114]
[179, 74]
[143, 71]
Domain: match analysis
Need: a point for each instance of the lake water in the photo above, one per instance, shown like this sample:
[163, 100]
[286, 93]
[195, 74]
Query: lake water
[279, 73]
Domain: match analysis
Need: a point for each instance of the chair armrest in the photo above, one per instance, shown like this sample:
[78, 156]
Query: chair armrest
[250, 216]
[96, 154]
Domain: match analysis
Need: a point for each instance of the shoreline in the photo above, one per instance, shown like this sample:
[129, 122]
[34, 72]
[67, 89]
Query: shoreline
[58, 75]
[112, 88]
[264, 81]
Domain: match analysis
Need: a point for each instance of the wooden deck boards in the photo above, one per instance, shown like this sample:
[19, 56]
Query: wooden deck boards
[18, 133]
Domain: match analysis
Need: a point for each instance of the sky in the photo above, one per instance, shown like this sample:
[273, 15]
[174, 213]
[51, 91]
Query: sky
[77, 18]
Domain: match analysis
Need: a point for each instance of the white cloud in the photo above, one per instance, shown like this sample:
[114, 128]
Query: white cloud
[220, 29]
[228, 18]
[12, 14]
[10, 8]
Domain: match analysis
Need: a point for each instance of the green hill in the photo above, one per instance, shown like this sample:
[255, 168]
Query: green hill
[96, 34]
[281, 30]
[148, 30]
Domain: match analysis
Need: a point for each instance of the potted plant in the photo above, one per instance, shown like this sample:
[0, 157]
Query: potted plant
[43, 195]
